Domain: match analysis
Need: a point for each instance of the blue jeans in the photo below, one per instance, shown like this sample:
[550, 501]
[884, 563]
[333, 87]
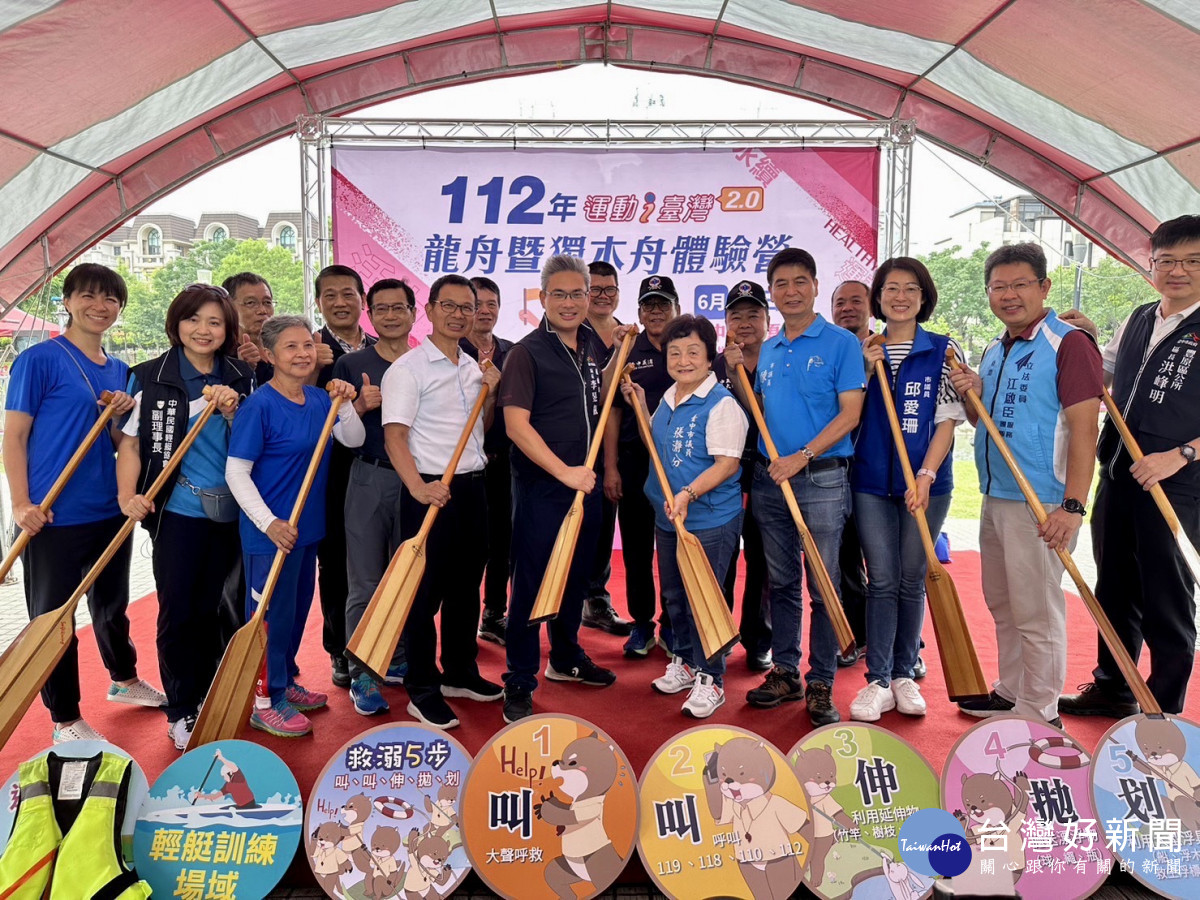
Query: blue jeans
[891, 543]
[719, 544]
[824, 498]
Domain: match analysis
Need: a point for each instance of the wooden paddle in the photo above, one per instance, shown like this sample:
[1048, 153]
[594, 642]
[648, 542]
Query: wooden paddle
[374, 640]
[558, 567]
[960, 664]
[714, 623]
[81, 451]
[32, 656]
[1186, 549]
[833, 603]
[227, 705]
[1133, 677]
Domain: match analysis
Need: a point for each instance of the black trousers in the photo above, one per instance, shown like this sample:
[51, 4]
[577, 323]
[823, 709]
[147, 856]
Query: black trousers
[498, 483]
[332, 579]
[755, 623]
[193, 557]
[455, 556]
[854, 580]
[1145, 588]
[55, 562]
[636, 517]
[601, 569]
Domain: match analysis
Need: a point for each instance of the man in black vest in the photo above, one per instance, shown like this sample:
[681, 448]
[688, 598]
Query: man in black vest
[551, 397]
[1142, 582]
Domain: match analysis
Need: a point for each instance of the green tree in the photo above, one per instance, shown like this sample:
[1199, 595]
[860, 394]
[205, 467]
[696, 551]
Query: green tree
[283, 272]
[962, 309]
[179, 273]
[1109, 293]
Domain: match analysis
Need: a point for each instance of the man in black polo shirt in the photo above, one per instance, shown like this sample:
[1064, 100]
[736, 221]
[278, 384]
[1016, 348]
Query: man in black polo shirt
[373, 489]
[627, 465]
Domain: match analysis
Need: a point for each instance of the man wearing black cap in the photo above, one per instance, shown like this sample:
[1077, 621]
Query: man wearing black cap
[627, 464]
[747, 317]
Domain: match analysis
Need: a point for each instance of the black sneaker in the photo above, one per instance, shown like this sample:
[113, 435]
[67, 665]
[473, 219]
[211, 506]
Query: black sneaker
[920, 670]
[777, 687]
[759, 662]
[584, 671]
[599, 614]
[433, 710]
[493, 628]
[991, 705]
[819, 700]
[341, 670]
[1093, 701]
[474, 688]
[517, 705]
[1056, 722]
[845, 660]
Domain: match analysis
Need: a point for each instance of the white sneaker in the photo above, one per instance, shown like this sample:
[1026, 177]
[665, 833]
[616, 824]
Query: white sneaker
[678, 677]
[871, 703]
[138, 694]
[180, 731]
[705, 698]
[80, 731]
[908, 697]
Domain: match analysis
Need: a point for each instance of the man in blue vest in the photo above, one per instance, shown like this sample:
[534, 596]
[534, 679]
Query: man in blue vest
[810, 378]
[1142, 582]
[1041, 382]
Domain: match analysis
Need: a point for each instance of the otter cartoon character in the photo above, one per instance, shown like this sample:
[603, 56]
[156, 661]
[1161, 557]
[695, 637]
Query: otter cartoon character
[442, 815]
[994, 810]
[1163, 749]
[738, 777]
[817, 772]
[385, 872]
[426, 865]
[587, 770]
[329, 861]
[354, 814]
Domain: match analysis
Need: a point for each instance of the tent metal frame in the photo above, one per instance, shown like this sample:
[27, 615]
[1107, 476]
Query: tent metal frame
[318, 135]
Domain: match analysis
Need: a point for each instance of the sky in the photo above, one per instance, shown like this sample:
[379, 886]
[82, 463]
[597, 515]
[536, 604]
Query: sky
[269, 178]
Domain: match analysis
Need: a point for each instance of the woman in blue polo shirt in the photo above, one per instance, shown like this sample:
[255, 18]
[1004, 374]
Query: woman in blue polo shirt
[699, 431]
[902, 295]
[272, 443]
[196, 509]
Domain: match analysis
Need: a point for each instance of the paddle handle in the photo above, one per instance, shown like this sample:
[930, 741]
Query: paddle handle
[85, 446]
[644, 428]
[1137, 684]
[310, 476]
[597, 441]
[1135, 452]
[833, 604]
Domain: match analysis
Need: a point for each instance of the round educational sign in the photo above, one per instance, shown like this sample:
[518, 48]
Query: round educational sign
[1019, 788]
[723, 815]
[223, 820]
[862, 783]
[550, 809]
[383, 817]
[1144, 787]
[74, 751]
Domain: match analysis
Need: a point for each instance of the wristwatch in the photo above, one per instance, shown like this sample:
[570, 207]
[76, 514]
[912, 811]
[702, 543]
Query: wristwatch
[1072, 505]
[808, 454]
[1188, 451]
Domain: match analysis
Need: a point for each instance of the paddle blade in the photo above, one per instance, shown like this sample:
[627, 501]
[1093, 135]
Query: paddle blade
[28, 662]
[558, 568]
[960, 664]
[714, 623]
[1188, 551]
[374, 640]
[227, 706]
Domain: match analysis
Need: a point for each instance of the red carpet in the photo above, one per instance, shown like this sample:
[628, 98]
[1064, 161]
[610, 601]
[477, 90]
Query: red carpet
[630, 711]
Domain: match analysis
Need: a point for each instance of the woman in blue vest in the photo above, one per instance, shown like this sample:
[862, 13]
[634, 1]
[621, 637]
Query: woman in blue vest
[196, 509]
[699, 431]
[902, 295]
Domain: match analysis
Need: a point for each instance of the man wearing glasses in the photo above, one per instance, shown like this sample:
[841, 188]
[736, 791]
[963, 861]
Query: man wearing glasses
[252, 299]
[428, 396]
[1142, 582]
[1041, 382]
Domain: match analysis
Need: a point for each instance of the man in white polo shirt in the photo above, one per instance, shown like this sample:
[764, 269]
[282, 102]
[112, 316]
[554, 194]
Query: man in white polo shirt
[428, 395]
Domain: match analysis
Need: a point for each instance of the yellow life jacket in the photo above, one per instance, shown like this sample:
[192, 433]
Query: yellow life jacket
[86, 797]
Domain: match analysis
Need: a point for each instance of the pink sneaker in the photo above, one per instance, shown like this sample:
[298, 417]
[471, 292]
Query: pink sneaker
[303, 699]
[281, 720]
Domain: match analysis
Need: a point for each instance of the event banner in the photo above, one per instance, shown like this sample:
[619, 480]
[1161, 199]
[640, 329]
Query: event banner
[706, 218]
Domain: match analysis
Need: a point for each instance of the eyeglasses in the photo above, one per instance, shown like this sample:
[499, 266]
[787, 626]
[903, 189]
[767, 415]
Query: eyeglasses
[559, 296]
[450, 308]
[912, 290]
[383, 309]
[258, 304]
[997, 289]
[656, 303]
[609, 292]
[1167, 263]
